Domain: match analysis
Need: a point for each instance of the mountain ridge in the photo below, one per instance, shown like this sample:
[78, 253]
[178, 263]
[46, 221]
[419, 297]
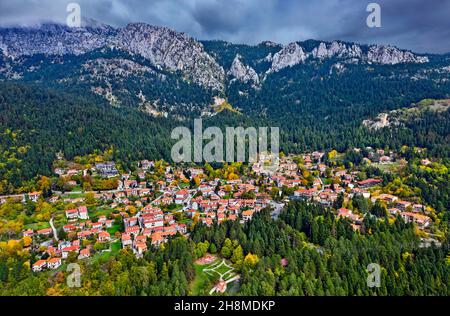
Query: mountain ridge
[177, 51]
[162, 72]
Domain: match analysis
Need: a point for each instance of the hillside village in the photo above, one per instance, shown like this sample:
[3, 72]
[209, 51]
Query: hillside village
[157, 201]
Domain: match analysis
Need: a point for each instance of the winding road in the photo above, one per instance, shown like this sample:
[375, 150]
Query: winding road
[278, 207]
[55, 233]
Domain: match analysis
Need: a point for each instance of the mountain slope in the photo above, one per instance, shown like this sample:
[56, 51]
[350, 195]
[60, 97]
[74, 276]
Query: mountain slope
[47, 121]
[166, 73]
[164, 48]
[171, 50]
[54, 39]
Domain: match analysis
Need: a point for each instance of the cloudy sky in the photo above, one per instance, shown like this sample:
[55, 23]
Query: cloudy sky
[419, 25]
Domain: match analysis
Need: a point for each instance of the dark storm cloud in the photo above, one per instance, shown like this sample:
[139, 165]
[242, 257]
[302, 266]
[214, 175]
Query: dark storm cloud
[419, 25]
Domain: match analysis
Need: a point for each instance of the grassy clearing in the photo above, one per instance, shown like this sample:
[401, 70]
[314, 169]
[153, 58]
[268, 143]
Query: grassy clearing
[101, 256]
[102, 211]
[37, 226]
[202, 281]
[112, 230]
[115, 247]
[394, 167]
[75, 195]
[222, 269]
[207, 275]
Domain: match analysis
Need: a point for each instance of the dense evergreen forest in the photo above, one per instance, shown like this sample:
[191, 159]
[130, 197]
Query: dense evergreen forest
[37, 122]
[44, 122]
[323, 256]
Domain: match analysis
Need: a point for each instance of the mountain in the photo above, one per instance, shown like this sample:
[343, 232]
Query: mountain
[161, 46]
[294, 54]
[171, 50]
[243, 73]
[291, 55]
[166, 73]
[54, 39]
[162, 72]
[317, 92]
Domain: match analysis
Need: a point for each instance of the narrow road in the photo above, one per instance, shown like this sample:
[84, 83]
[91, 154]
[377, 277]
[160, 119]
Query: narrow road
[55, 233]
[278, 207]
[82, 192]
[321, 184]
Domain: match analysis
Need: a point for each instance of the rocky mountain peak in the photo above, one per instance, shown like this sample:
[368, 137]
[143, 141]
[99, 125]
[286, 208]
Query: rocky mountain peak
[172, 50]
[389, 55]
[165, 48]
[243, 73]
[289, 56]
[294, 54]
[338, 49]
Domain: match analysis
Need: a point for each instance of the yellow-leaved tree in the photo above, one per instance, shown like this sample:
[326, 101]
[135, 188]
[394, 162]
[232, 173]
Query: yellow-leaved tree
[251, 259]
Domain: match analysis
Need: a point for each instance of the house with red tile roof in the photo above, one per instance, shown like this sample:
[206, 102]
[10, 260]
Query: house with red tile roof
[181, 196]
[305, 193]
[69, 228]
[104, 236]
[168, 219]
[34, 196]
[151, 223]
[422, 221]
[45, 232]
[39, 265]
[403, 205]
[134, 230]
[369, 183]
[157, 239]
[130, 221]
[53, 252]
[83, 212]
[140, 239]
[182, 228]
[76, 242]
[147, 232]
[54, 263]
[98, 225]
[84, 253]
[72, 214]
[67, 250]
[140, 248]
[28, 233]
[207, 221]
[346, 213]
[126, 240]
[84, 234]
[247, 215]
[220, 217]
[171, 229]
